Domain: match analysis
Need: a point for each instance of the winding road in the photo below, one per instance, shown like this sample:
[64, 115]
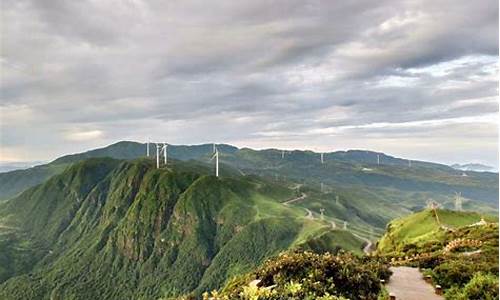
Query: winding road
[301, 197]
[367, 248]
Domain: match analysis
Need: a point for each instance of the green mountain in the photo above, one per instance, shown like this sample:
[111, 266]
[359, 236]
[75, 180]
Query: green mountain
[115, 229]
[393, 180]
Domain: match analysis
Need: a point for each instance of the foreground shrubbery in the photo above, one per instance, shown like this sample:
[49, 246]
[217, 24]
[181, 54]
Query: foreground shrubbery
[481, 286]
[305, 275]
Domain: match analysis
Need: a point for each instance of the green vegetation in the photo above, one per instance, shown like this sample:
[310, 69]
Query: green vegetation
[107, 224]
[467, 271]
[111, 229]
[305, 275]
[423, 228]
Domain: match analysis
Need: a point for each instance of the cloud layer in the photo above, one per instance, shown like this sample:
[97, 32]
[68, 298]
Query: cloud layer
[412, 78]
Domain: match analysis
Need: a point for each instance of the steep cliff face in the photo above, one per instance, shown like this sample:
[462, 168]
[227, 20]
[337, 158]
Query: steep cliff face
[111, 229]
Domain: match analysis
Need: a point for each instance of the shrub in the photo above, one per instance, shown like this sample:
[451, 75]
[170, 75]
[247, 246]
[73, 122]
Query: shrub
[305, 275]
[481, 286]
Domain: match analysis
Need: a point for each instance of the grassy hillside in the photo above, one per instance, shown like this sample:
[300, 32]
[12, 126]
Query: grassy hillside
[424, 227]
[111, 229]
[469, 270]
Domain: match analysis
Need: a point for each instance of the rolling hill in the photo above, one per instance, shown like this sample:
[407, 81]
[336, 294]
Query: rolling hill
[122, 229]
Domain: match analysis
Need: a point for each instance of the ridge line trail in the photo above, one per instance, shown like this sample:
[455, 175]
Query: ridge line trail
[406, 283]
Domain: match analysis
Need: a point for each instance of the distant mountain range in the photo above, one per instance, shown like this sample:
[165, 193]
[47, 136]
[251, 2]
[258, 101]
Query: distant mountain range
[474, 167]
[11, 166]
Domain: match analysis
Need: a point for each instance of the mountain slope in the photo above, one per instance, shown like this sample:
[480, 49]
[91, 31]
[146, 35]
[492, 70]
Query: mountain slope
[427, 226]
[110, 229]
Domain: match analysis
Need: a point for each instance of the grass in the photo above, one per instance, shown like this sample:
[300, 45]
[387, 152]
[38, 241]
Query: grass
[422, 228]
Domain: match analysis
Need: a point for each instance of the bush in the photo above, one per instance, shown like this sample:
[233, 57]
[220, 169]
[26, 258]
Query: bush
[481, 286]
[305, 275]
[453, 272]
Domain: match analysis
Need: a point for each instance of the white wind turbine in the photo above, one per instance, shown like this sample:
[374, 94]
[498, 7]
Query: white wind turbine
[164, 149]
[322, 159]
[147, 148]
[158, 149]
[216, 156]
[378, 159]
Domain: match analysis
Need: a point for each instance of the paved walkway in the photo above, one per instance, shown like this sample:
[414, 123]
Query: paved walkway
[407, 284]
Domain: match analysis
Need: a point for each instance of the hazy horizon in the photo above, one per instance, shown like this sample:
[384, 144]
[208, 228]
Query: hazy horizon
[413, 79]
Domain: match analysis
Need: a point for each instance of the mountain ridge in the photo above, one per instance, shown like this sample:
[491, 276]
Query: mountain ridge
[353, 167]
[104, 223]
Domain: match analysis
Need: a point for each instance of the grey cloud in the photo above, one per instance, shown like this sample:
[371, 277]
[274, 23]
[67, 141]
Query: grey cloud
[244, 72]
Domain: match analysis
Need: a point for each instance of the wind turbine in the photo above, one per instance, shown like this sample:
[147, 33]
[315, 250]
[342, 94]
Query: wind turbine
[158, 147]
[378, 159]
[164, 149]
[216, 156]
[147, 148]
[282, 154]
[322, 160]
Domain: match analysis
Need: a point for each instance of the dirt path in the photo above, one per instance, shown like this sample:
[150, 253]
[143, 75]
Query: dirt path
[407, 284]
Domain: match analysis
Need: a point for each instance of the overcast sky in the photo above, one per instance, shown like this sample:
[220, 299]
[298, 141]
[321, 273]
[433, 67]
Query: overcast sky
[415, 79]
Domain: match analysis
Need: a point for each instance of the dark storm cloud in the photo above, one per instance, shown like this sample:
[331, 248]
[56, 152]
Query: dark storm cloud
[259, 73]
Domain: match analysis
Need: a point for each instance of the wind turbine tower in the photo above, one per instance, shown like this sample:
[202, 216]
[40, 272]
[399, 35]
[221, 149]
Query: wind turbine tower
[282, 154]
[165, 145]
[158, 147]
[322, 158]
[322, 211]
[216, 156]
[378, 159]
[147, 148]
[458, 201]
